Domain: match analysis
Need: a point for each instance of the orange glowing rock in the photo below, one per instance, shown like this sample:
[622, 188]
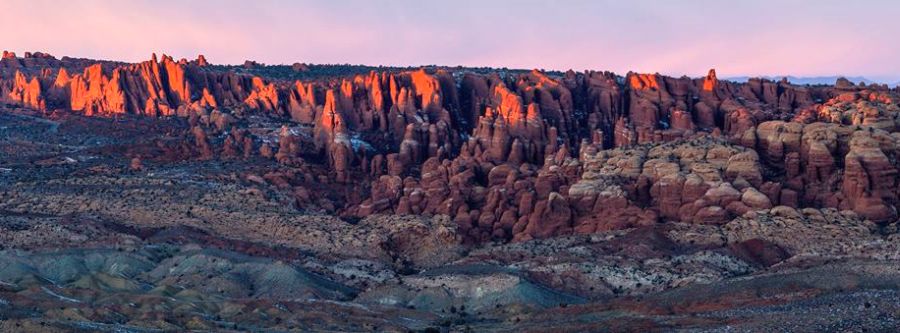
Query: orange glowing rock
[62, 79]
[642, 81]
[509, 104]
[710, 81]
[331, 122]
[27, 92]
[345, 99]
[427, 89]
[113, 94]
[302, 103]
[262, 96]
[207, 99]
[86, 89]
[376, 93]
[177, 84]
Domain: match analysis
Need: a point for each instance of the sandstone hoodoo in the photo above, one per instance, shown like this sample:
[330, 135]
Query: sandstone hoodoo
[488, 150]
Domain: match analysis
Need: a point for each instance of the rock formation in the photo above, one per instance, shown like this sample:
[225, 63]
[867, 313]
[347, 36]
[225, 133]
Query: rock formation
[511, 155]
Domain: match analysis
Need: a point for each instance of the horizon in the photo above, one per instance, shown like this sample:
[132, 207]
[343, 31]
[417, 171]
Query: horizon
[737, 40]
[736, 78]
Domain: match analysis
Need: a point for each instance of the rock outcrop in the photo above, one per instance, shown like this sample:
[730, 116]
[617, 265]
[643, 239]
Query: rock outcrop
[510, 155]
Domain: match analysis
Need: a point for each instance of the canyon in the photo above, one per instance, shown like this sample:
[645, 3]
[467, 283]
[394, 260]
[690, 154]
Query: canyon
[312, 194]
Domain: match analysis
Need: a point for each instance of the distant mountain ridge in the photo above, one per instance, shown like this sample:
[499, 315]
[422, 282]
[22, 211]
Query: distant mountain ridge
[813, 80]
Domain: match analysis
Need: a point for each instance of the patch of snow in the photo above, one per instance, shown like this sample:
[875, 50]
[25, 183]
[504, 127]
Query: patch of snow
[347, 304]
[61, 297]
[357, 142]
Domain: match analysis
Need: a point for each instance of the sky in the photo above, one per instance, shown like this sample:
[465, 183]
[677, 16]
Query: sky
[686, 37]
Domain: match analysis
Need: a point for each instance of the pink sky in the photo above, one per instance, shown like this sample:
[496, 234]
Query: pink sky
[804, 38]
